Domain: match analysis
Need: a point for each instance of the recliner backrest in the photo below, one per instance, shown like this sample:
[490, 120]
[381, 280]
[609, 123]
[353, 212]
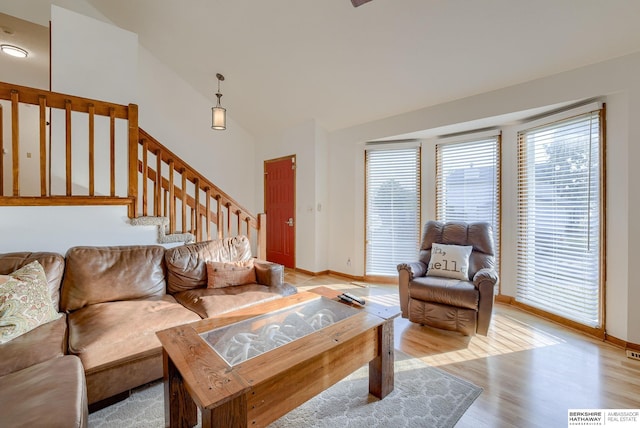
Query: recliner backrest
[478, 234]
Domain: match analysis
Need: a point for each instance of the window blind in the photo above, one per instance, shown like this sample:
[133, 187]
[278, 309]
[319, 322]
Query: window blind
[392, 208]
[559, 210]
[468, 183]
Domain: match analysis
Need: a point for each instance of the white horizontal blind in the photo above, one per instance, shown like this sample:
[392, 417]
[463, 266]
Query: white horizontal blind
[559, 206]
[468, 183]
[393, 208]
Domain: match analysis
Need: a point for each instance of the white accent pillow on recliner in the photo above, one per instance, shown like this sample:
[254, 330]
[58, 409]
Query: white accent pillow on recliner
[450, 261]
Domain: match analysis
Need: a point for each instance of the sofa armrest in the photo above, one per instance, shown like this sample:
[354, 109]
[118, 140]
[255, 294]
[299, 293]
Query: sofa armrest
[43, 343]
[485, 281]
[414, 269]
[268, 273]
[406, 273]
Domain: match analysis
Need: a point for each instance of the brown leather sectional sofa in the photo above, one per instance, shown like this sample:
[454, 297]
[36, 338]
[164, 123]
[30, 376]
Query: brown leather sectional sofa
[114, 299]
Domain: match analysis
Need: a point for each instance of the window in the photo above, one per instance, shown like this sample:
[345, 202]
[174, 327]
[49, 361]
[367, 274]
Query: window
[468, 183]
[559, 218]
[392, 208]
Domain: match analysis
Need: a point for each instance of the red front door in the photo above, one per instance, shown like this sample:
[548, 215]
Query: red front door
[279, 205]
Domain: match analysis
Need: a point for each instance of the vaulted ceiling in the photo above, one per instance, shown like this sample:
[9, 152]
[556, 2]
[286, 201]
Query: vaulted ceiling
[286, 61]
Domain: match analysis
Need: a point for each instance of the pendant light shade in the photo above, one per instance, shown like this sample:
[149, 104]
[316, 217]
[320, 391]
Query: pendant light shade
[218, 118]
[219, 113]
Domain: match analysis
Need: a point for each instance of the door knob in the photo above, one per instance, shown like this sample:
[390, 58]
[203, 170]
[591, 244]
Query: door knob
[290, 221]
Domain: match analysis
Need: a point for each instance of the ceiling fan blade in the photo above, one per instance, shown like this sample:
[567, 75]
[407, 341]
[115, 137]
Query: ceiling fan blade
[357, 3]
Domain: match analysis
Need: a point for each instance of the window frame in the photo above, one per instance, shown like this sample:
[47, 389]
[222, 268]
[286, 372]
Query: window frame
[599, 108]
[469, 140]
[391, 146]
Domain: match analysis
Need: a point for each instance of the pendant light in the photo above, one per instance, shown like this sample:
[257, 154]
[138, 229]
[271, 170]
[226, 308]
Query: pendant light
[219, 113]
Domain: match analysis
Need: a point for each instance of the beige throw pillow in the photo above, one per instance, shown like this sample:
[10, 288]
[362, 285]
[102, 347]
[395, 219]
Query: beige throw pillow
[228, 274]
[450, 261]
[25, 302]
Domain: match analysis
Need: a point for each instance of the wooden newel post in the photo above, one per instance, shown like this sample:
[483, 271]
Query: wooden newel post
[15, 142]
[262, 236]
[133, 160]
[1, 155]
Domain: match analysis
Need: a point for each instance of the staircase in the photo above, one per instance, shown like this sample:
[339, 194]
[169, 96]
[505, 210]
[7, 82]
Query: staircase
[80, 145]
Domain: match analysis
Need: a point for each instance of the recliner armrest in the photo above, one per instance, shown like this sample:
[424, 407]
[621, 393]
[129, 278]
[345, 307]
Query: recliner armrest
[268, 273]
[406, 273]
[485, 275]
[415, 269]
[485, 281]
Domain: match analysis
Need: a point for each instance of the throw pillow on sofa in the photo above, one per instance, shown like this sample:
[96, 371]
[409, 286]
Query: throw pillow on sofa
[25, 302]
[221, 274]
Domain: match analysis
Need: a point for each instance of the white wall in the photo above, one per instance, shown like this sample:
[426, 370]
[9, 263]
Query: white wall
[59, 228]
[616, 81]
[321, 207]
[309, 142]
[92, 59]
[39, 11]
[632, 243]
[346, 209]
[180, 118]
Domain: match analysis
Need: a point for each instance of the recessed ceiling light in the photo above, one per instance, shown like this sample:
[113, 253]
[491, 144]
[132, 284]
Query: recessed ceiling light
[14, 51]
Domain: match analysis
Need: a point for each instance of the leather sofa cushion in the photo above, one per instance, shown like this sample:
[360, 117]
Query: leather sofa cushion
[112, 334]
[40, 344]
[208, 302]
[453, 292]
[186, 264]
[52, 393]
[106, 274]
[52, 263]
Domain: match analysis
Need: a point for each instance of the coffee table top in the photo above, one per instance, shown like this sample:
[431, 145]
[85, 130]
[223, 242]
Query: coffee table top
[243, 340]
[382, 311]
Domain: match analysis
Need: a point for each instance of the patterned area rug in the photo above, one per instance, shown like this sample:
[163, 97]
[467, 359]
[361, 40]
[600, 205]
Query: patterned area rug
[423, 396]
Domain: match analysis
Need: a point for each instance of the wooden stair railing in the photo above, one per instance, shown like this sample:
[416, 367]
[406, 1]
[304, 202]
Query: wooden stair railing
[199, 206]
[196, 204]
[68, 113]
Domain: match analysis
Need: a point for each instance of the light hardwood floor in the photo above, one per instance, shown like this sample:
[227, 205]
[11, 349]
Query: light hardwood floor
[532, 370]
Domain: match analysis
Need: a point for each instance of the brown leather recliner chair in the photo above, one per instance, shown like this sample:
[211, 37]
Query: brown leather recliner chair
[451, 304]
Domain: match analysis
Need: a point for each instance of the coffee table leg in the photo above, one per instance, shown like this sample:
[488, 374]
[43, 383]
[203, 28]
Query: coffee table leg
[381, 371]
[232, 413]
[179, 408]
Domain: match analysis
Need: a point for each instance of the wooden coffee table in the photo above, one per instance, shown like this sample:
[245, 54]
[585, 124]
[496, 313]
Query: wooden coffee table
[259, 390]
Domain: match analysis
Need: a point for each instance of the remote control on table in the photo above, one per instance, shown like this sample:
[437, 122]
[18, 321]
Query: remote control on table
[352, 298]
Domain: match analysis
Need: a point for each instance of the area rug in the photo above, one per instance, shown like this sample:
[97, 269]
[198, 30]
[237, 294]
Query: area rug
[423, 396]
